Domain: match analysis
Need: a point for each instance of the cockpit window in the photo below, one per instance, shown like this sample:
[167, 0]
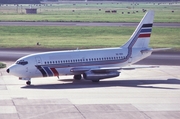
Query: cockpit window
[22, 62]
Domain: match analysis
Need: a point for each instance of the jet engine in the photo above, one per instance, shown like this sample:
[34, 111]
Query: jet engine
[96, 76]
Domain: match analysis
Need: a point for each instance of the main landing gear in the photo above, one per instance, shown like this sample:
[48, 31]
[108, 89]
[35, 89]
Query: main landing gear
[77, 77]
[95, 81]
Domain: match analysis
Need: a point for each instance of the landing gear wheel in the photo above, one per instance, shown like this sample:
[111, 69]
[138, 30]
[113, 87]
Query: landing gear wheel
[95, 81]
[28, 82]
[77, 77]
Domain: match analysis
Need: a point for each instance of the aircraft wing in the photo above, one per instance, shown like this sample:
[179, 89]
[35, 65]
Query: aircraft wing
[108, 69]
[79, 69]
[138, 67]
[102, 69]
[105, 69]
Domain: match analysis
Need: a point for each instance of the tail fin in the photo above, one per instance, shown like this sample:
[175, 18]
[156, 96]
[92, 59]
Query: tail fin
[141, 36]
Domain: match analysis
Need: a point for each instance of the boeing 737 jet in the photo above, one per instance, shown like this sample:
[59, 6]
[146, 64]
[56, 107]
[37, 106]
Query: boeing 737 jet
[91, 64]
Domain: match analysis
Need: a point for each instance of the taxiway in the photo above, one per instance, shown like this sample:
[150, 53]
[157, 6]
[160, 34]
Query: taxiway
[121, 24]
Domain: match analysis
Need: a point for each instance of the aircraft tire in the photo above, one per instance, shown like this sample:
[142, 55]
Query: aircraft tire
[95, 81]
[28, 82]
[77, 77]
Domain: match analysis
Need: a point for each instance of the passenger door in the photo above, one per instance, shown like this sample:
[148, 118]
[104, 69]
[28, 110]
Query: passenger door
[38, 61]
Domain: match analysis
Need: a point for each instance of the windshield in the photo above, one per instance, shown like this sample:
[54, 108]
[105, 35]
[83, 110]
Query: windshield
[22, 62]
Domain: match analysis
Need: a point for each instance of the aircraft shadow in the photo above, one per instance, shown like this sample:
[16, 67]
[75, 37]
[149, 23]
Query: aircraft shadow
[73, 84]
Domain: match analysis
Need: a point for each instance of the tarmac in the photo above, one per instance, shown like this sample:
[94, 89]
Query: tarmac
[135, 94]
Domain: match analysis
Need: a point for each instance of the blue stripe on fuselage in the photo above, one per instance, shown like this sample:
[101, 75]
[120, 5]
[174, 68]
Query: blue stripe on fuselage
[42, 71]
[48, 71]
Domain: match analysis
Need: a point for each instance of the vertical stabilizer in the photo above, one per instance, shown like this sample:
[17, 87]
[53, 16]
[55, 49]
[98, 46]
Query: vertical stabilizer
[141, 36]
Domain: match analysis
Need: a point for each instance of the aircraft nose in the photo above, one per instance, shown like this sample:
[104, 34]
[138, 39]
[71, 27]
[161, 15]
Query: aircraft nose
[8, 70]
[16, 70]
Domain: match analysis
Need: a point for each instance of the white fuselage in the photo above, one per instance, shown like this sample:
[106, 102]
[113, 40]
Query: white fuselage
[61, 62]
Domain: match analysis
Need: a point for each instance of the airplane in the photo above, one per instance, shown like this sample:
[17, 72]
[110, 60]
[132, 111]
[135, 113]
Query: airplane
[90, 64]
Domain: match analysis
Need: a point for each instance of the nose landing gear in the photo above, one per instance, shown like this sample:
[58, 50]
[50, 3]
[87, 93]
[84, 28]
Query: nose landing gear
[28, 82]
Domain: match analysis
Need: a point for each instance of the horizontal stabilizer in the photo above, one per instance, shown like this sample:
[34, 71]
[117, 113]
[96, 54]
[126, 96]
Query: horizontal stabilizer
[160, 49]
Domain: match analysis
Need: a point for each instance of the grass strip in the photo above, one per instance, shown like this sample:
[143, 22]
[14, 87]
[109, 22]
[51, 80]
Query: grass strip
[72, 37]
[2, 65]
[125, 12]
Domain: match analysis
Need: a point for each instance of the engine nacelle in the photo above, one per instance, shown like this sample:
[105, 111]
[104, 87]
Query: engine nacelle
[96, 76]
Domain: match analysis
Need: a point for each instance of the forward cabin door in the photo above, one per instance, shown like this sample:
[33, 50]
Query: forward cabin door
[38, 61]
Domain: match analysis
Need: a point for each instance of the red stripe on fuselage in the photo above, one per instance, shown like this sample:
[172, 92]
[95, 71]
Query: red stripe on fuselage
[144, 35]
[55, 72]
